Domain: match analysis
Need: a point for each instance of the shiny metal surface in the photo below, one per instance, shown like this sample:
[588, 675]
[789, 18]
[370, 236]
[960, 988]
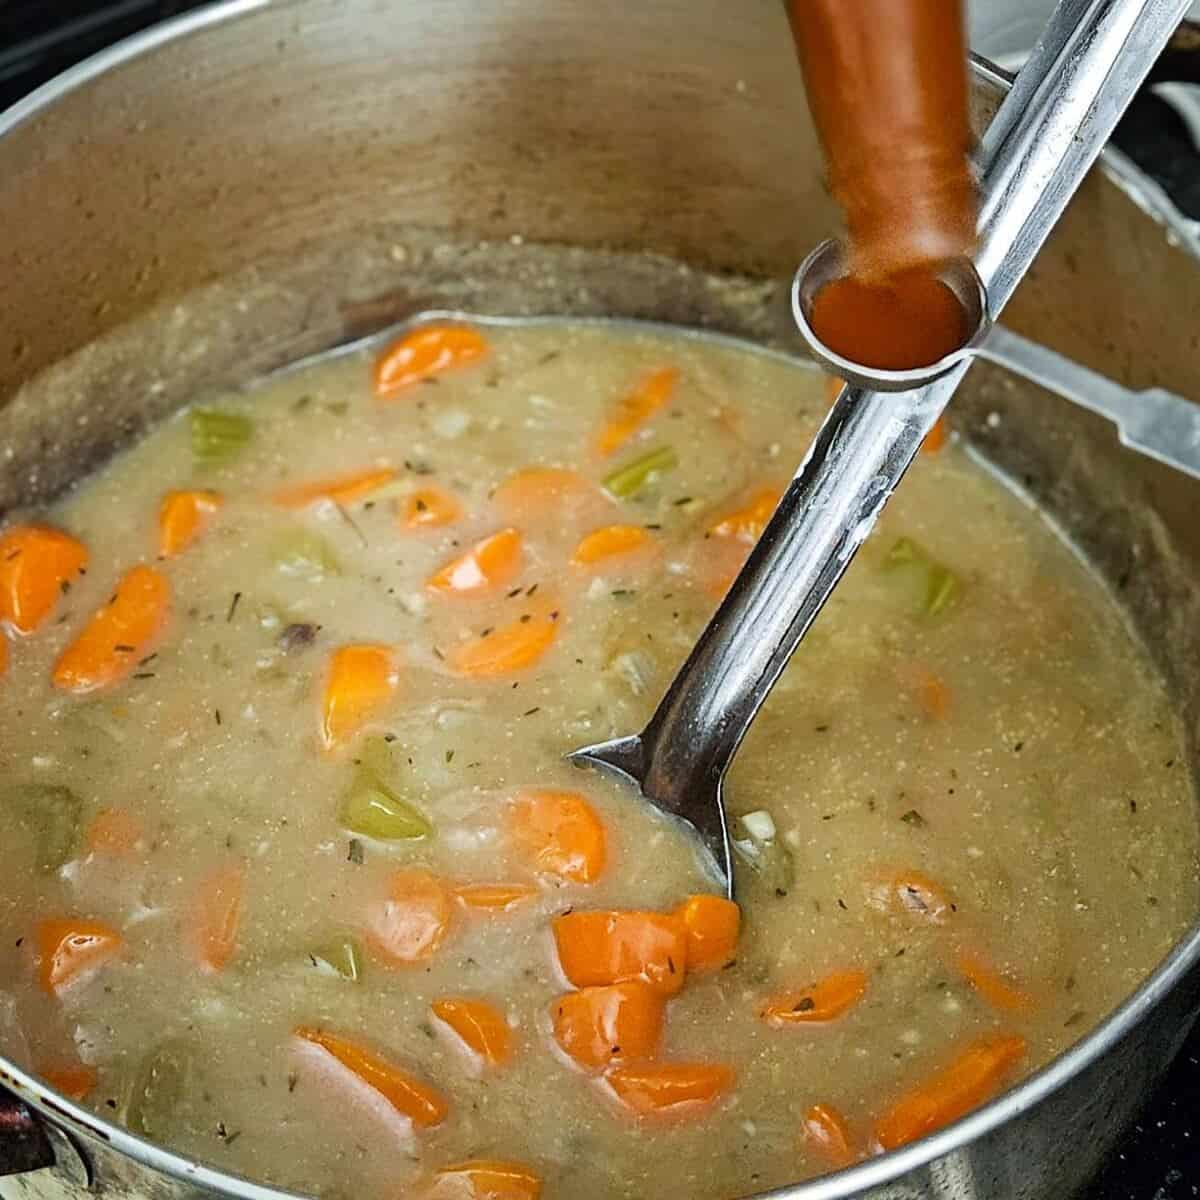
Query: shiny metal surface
[1154, 422]
[1069, 98]
[170, 246]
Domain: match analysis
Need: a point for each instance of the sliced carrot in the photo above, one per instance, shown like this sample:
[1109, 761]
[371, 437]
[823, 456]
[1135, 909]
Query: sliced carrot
[562, 833]
[931, 694]
[75, 1080]
[183, 517]
[411, 922]
[37, 563]
[360, 680]
[826, 1132]
[606, 946]
[833, 387]
[599, 1026]
[215, 916]
[669, 1089]
[417, 1101]
[510, 648]
[636, 408]
[612, 541]
[118, 635]
[485, 1179]
[70, 948]
[825, 1000]
[712, 925]
[543, 492]
[424, 353]
[341, 489]
[480, 1026]
[966, 1082]
[991, 985]
[936, 438]
[747, 523]
[911, 894]
[495, 897]
[3, 653]
[430, 508]
[489, 563]
[114, 832]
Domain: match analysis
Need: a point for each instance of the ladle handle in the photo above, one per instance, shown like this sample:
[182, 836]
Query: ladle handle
[1093, 57]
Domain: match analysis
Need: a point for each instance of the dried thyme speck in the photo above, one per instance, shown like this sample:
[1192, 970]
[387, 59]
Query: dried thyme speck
[233, 604]
[217, 715]
[914, 818]
[354, 853]
[529, 712]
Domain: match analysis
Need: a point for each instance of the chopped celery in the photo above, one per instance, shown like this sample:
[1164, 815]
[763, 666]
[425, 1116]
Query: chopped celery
[341, 956]
[157, 1089]
[217, 436]
[300, 552]
[371, 810]
[935, 587]
[628, 480]
[755, 842]
[376, 757]
[52, 814]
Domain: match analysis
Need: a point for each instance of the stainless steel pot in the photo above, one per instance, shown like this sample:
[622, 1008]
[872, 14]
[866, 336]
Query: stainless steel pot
[262, 180]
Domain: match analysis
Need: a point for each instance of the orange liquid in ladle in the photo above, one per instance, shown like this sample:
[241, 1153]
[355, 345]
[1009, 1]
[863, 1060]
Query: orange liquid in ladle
[887, 86]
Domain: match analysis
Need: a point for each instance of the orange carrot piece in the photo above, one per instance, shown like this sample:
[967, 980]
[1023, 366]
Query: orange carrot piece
[825, 1000]
[3, 653]
[506, 650]
[489, 563]
[341, 489]
[36, 564]
[966, 1082]
[74, 1080]
[114, 832]
[991, 985]
[826, 1132]
[747, 523]
[430, 508]
[636, 408]
[562, 833]
[360, 680]
[480, 1026]
[612, 541]
[495, 897]
[215, 916]
[118, 635]
[421, 1104]
[712, 925]
[411, 922]
[485, 1179]
[602, 947]
[424, 353]
[669, 1089]
[70, 948]
[931, 693]
[912, 894]
[542, 492]
[833, 387]
[617, 1023]
[936, 438]
[183, 517]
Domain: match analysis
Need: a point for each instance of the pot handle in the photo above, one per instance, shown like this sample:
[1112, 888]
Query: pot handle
[24, 1145]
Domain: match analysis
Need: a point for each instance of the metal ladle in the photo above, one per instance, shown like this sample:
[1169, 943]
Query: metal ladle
[1085, 70]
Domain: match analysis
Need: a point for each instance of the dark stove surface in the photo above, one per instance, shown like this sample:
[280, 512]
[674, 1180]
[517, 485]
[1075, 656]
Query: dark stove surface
[1159, 1159]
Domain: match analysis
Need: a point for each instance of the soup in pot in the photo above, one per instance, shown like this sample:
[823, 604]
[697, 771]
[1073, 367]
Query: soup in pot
[298, 882]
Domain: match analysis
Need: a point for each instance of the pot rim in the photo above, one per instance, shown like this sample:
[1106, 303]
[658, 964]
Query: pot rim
[842, 1185]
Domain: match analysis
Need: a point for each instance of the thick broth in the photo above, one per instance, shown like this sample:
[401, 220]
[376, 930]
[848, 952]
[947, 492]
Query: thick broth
[970, 706]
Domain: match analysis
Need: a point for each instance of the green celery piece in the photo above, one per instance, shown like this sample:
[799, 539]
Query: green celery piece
[53, 813]
[625, 482]
[770, 859]
[371, 810]
[161, 1083]
[939, 585]
[339, 956]
[300, 552]
[218, 436]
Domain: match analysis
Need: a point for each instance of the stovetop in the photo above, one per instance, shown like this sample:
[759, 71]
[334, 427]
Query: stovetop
[1159, 1159]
